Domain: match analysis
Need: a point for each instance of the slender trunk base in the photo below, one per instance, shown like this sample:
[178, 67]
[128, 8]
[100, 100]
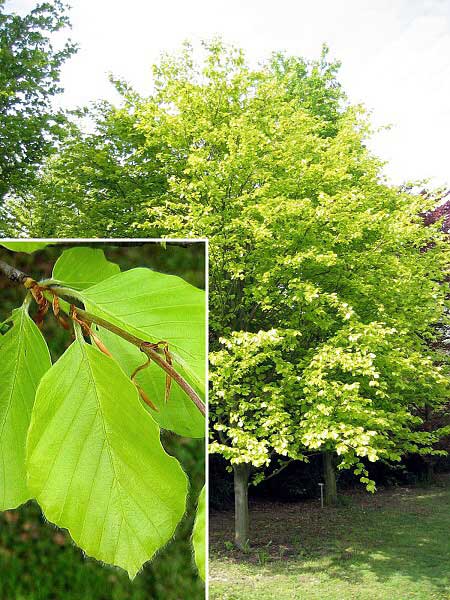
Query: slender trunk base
[241, 514]
[429, 472]
[329, 473]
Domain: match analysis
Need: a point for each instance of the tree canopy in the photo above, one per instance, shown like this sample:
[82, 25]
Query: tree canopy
[323, 301]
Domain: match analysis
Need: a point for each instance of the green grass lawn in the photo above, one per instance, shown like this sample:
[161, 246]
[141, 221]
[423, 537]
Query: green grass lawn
[391, 546]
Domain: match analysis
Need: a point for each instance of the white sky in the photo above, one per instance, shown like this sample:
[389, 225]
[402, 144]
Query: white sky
[395, 57]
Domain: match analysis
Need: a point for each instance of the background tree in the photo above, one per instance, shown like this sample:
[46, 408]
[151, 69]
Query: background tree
[101, 182]
[29, 79]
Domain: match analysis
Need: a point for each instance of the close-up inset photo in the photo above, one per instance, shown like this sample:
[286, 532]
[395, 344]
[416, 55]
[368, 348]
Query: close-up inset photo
[102, 408]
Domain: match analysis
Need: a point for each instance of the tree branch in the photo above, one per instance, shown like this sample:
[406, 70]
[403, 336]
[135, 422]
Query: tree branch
[277, 471]
[145, 347]
[18, 277]
[12, 273]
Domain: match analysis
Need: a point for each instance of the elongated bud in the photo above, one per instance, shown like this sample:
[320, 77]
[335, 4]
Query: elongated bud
[55, 305]
[168, 387]
[168, 358]
[100, 345]
[144, 397]
[39, 318]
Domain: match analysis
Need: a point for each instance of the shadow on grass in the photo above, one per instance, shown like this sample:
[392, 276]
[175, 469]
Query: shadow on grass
[402, 533]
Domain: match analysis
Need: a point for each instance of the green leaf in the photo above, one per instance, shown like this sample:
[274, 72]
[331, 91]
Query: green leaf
[24, 246]
[199, 535]
[24, 358]
[83, 267]
[179, 413]
[156, 307]
[96, 464]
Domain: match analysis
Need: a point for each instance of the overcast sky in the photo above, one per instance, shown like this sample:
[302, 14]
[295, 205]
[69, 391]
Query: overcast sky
[395, 57]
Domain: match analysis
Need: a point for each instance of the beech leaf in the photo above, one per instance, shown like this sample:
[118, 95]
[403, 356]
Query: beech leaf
[24, 246]
[82, 267]
[24, 358]
[179, 413]
[96, 464]
[199, 535]
[155, 307]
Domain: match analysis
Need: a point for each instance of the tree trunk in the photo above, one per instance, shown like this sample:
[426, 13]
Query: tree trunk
[429, 460]
[429, 469]
[241, 515]
[329, 474]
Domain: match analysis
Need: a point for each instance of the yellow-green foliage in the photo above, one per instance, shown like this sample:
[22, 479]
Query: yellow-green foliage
[319, 283]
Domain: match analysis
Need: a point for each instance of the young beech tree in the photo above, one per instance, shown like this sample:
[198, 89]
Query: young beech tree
[319, 286]
[254, 391]
[82, 436]
[29, 74]
[306, 239]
